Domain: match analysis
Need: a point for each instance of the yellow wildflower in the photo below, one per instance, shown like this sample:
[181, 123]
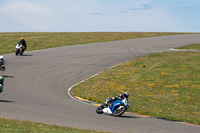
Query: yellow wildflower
[165, 73]
[151, 85]
[175, 86]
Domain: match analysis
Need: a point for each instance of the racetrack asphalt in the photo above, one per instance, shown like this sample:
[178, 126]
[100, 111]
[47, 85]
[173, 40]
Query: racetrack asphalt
[37, 83]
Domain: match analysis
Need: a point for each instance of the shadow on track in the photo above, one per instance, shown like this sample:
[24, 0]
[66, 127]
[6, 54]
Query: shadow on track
[27, 55]
[5, 76]
[6, 101]
[123, 116]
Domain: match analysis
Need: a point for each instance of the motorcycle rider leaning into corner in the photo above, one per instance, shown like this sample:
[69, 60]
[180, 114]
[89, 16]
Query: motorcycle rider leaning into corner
[1, 83]
[119, 97]
[23, 43]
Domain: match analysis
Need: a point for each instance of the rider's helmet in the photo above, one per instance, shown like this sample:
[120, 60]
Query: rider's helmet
[1, 58]
[125, 94]
[22, 38]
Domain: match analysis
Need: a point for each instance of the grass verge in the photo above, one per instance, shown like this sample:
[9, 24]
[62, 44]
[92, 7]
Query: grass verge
[164, 85]
[193, 46]
[13, 126]
[42, 40]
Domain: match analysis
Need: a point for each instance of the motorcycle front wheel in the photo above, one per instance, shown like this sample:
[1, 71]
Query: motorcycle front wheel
[16, 53]
[119, 111]
[99, 110]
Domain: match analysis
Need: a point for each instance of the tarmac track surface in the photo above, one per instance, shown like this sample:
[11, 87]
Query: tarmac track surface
[36, 85]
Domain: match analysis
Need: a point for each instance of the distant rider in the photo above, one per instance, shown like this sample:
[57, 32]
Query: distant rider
[2, 60]
[23, 43]
[1, 83]
[119, 97]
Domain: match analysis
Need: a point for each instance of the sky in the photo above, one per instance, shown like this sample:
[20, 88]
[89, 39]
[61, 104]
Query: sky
[99, 15]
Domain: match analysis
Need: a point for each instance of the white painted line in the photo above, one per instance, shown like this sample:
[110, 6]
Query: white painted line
[69, 90]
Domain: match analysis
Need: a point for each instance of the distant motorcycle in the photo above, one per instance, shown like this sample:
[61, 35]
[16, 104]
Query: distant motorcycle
[19, 49]
[116, 108]
[1, 88]
[2, 65]
[1, 83]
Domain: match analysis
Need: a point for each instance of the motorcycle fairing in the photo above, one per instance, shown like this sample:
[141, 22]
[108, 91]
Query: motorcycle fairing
[116, 104]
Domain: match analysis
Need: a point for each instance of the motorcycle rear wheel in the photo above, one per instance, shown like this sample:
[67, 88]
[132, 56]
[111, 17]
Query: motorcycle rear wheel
[1, 89]
[119, 112]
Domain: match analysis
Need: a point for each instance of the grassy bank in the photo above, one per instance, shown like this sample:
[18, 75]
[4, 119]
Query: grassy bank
[13, 126]
[192, 46]
[164, 85]
[44, 40]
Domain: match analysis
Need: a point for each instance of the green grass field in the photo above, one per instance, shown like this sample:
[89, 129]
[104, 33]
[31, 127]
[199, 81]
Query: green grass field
[164, 85]
[163, 88]
[13, 126]
[192, 46]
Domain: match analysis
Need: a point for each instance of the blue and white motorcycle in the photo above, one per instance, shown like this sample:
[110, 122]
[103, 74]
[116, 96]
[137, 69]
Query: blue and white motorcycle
[116, 108]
